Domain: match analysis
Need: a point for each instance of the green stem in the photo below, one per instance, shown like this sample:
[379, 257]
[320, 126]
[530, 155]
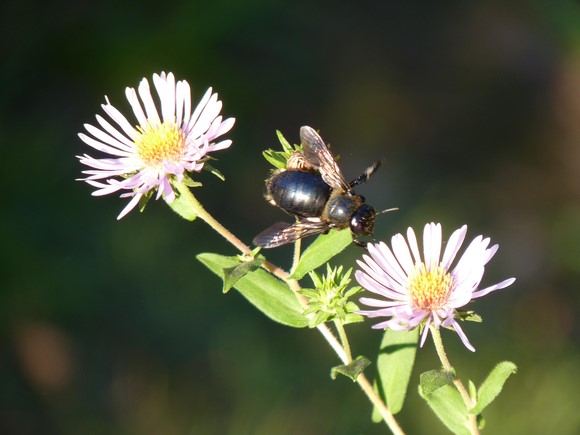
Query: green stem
[296, 258]
[221, 230]
[344, 340]
[375, 399]
[209, 219]
[436, 334]
[343, 354]
[366, 385]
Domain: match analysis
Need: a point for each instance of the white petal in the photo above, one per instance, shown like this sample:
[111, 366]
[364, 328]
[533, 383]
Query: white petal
[192, 121]
[436, 240]
[453, 246]
[427, 243]
[150, 109]
[182, 102]
[127, 144]
[385, 258]
[120, 119]
[413, 245]
[219, 146]
[372, 285]
[166, 90]
[402, 254]
[498, 286]
[371, 302]
[99, 146]
[130, 206]
[133, 100]
[114, 147]
[210, 111]
[490, 253]
[224, 127]
[432, 244]
[425, 332]
[473, 258]
[462, 336]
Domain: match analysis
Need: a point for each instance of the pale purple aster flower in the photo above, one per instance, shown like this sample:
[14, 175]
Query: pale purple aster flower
[428, 289]
[161, 148]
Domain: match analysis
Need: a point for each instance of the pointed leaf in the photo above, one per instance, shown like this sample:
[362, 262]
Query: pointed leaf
[275, 159]
[233, 274]
[469, 316]
[447, 404]
[432, 380]
[472, 391]
[210, 168]
[493, 385]
[279, 159]
[189, 182]
[352, 370]
[394, 367]
[285, 144]
[321, 250]
[144, 200]
[266, 292]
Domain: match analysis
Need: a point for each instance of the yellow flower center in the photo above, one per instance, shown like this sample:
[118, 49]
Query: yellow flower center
[430, 289]
[156, 144]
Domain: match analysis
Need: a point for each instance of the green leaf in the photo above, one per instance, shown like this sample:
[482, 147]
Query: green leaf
[352, 370]
[144, 200]
[188, 181]
[214, 171]
[472, 391]
[469, 316]
[432, 380]
[275, 158]
[182, 205]
[493, 385]
[394, 367]
[235, 273]
[279, 159]
[352, 318]
[285, 144]
[266, 292]
[448, 406]
[321, 250]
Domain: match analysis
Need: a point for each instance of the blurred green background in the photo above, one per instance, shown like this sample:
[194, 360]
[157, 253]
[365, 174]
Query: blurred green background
[111, 327]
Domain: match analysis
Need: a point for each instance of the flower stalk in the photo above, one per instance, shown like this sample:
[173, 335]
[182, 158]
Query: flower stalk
[344, 340]
[436, 334]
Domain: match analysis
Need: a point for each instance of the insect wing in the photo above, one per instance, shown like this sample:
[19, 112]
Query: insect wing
[282, 233]
[318, 155]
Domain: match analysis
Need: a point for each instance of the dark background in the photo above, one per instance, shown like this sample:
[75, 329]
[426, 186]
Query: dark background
[111, 327]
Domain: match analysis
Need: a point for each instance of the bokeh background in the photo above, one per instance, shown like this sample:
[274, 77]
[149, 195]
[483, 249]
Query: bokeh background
[111, 327]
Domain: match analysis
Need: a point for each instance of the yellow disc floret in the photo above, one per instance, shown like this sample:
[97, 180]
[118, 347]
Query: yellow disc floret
[430, 288]
[159, 143]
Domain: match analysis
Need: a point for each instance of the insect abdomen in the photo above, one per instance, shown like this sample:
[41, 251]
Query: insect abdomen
[298, 192]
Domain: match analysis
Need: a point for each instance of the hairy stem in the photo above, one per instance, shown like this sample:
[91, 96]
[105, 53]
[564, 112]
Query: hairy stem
[343, 339]
[436, 334]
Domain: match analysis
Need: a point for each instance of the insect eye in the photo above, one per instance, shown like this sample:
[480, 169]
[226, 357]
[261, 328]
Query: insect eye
[362, 222]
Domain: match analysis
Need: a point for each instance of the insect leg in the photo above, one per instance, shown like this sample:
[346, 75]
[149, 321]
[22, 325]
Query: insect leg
[362, 178]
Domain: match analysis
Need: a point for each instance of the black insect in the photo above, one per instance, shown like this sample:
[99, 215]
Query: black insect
[314, 191]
